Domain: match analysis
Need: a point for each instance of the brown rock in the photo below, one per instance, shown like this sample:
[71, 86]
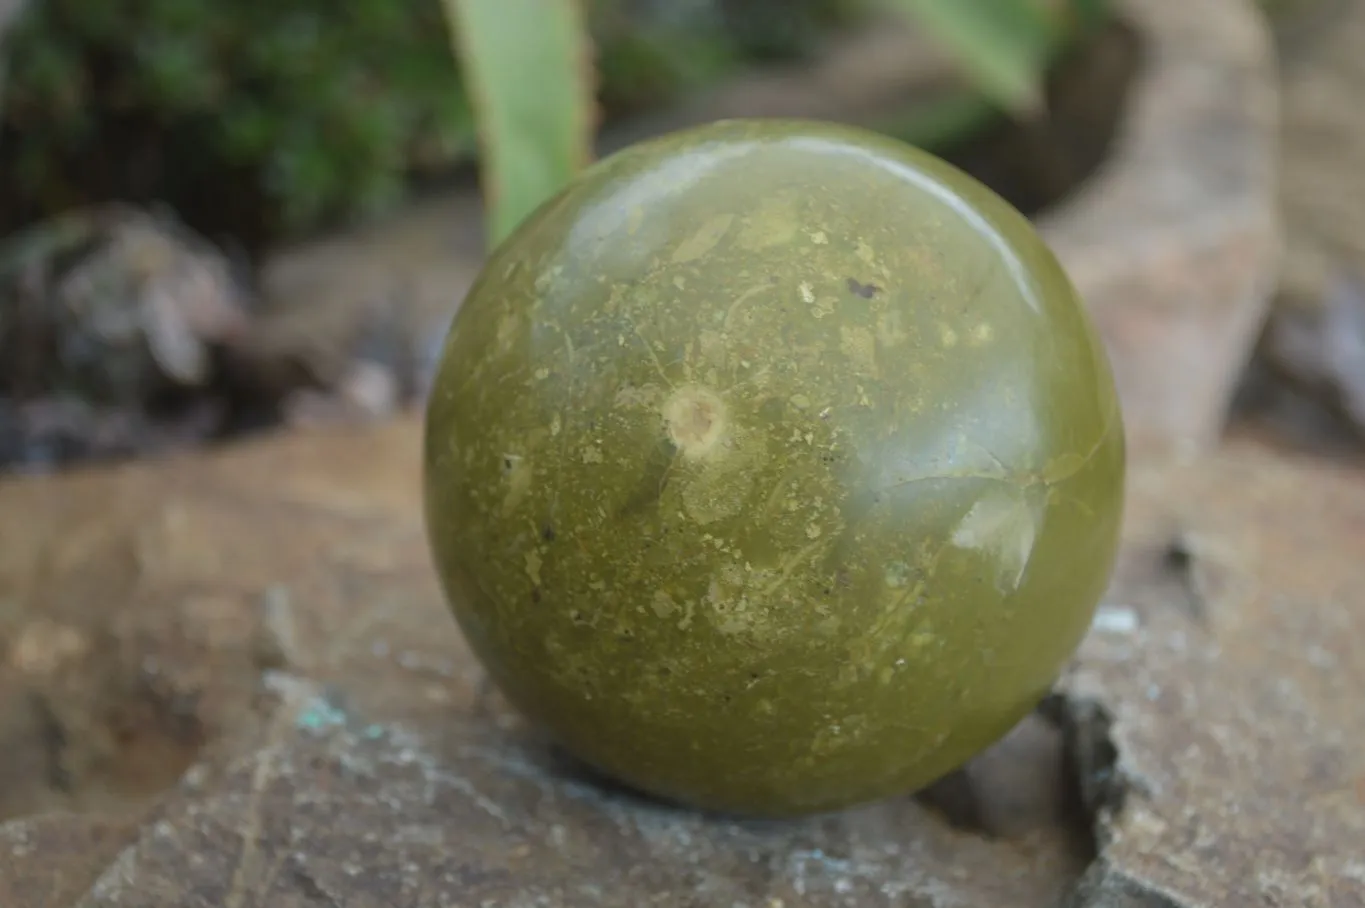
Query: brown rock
[1216, 707]
[380, 296]
[132, 632]
[106, 315]
[349, 751]
[378, 769]
[55, 858]
[1322, 190]
[343, 806]
[1175, 241]
[1318, 349]
[1309, 384]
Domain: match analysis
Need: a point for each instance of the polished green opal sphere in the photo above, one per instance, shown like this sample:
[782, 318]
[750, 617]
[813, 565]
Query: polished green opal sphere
[773, 467]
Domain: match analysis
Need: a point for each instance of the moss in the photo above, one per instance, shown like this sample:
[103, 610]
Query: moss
[262, 119]
[253, 118]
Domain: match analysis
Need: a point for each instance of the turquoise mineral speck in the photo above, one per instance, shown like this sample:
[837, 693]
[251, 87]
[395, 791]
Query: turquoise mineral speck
[320, 715]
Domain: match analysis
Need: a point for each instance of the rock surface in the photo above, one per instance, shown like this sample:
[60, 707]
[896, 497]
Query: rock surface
[112, 322]
[1310, 375]
[269, 616]
[1175, 242]
[1215, 707]
[349, 750]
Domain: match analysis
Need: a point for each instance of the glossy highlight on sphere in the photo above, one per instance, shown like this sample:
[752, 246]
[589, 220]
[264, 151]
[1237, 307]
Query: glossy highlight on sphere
[774, 467]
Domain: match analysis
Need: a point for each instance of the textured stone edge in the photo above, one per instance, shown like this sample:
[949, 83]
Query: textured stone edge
[1094, 762]
[1103, 886]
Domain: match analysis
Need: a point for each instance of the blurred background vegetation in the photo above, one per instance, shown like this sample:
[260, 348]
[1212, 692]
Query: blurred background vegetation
[262, 120]
[226, 132]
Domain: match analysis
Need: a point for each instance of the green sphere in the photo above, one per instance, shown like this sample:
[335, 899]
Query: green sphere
[774, 467]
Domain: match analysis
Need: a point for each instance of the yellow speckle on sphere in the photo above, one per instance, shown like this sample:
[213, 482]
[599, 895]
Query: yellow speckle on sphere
[695, 419]
[663, 604]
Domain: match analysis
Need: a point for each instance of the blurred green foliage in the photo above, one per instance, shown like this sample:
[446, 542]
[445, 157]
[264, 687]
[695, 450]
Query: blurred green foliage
[653, 51]
[264, 119]
[528, 72]
[1003, 47]
[533, 76]
[255, 115]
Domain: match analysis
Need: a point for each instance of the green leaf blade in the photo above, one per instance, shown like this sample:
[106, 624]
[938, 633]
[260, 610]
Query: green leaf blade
[1003, 44]
[527, 67]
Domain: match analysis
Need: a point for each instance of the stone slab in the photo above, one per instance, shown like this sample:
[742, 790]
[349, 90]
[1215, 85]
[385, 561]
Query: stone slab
[1175, 243]
[1216, 708]
[273, 606]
